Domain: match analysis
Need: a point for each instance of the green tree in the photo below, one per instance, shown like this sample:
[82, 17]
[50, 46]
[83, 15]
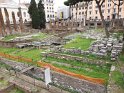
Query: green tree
[34, 14]
[118, 3]
[99, 4]
[41, 14]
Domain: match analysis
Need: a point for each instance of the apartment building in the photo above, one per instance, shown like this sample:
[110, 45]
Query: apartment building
[49, 9]
[109, 10]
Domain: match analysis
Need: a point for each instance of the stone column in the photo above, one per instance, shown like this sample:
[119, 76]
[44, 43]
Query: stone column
[21, 20]
[50, 23]
[84, 20]
[2, 23]
[57, 24]
[14, 22]
[1, 28]
[8, 21]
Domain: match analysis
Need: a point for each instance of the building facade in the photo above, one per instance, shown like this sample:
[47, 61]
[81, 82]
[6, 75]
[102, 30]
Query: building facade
[109, 10]
[49, 9]
[12, 6]
[63, 12]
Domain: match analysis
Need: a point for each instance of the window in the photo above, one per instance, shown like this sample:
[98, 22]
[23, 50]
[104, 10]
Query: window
[48, 16]
[108, 17]
[114, 10]
[102, 11]
[24, 14]
[103, 6]
[120, 9]
[90, 7]
[90, 12]
[108, 10]
[96, 11]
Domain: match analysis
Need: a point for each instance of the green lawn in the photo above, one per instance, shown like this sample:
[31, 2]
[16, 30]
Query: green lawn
[83, 68]
[26, 52]
[79, 43]
[118, 78]
[9, 37]
[40, 36]
[121, 57]
[7, 50]
[32, 54]
[90, 56]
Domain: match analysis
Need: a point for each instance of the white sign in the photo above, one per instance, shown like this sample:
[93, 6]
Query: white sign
[47, 76]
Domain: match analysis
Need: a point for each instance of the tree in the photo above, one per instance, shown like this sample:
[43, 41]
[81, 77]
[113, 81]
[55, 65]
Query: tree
[41, 14]
[120, 2]
[99, 4]
[34, 14]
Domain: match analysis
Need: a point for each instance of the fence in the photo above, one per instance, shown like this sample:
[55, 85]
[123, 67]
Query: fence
[43, 64]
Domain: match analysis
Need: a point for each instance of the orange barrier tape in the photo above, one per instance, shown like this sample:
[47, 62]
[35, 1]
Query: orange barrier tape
[94, 80]
[43, 64]
[16, 57]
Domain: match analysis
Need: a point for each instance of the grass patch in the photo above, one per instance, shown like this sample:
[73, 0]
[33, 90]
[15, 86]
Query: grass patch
[121, 57]
[99, 30]
[79, 43]
[83, 68]
[7, 50]
[118, 78]
[33, 54]
[16, 90]
[40, 36]
[90, 56]
[9, 37]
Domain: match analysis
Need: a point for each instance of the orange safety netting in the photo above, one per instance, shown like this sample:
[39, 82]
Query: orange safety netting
[16, 57]
[43, 64]
[95, 80]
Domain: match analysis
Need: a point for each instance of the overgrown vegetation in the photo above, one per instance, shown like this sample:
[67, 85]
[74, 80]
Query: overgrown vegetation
[118, 78]
[81, 68]
[40, 36]
[33, 54]
[79, 43]
[9, 37]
